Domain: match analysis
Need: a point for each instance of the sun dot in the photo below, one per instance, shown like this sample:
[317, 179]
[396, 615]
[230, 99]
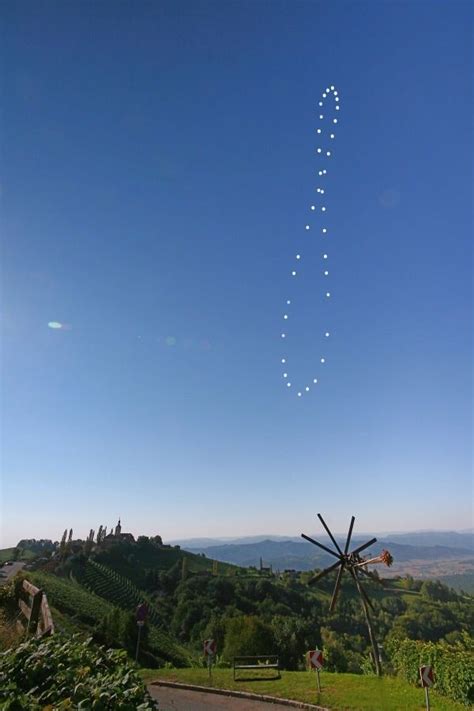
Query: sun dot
[324, 96]
[324, 171]
[288, 385]
[326, 273]
[283, 335]
[307, 389]
[285, 316]
[325, 256]
[328, 153]
[328, 294]
[323, 209]
[313, 207]
[319, 150]
[283, 360]
[332, 87]
[293, 273]
[299, 394]
[327, 334]
[288, 302]
[332, 135]
[306, 227]
[320, 172]
[315, 380]
[298, 256]
[285, 375]
[323, 360]
[324, 230]
[336, 98]
[335, 93]
[334, 120]
[319, 130]
[321, 116]
[337, 108]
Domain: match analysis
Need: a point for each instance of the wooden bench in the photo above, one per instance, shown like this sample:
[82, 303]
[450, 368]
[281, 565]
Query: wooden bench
[260, 663]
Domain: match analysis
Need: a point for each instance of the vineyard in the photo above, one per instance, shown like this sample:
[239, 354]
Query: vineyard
[106, 583]
[81, 605]
[70, 598]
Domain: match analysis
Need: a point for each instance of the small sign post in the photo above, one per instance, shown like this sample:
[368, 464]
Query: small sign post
[141, 614]
[427, 680]
[210, 648]
[316, 661]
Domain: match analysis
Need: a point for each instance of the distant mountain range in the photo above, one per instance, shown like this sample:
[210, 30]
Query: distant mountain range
[294, 553]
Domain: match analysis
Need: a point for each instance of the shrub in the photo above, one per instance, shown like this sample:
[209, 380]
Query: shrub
[247, 635]
[67, 673]
[453, 665]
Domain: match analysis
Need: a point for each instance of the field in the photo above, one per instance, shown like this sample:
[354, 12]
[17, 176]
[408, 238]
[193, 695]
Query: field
[340, 692]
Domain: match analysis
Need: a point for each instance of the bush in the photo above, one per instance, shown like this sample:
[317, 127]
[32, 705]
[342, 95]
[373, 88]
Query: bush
[453, 665]
[69, 673]
[247, 635]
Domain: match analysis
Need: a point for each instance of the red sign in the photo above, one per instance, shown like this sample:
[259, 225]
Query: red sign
[315, 657]
[426, 675]
[141, 612]
[210, 647]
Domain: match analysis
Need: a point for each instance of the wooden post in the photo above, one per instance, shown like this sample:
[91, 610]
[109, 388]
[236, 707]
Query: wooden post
[375, 655]
[34, 612]
[319, 681]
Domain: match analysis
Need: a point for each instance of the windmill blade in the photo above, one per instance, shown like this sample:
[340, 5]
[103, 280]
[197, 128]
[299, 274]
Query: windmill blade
[361, 589]
[336, 589]
[349, 535]
[320, 575]
[366, 545]
[329, 533]
[320, 545]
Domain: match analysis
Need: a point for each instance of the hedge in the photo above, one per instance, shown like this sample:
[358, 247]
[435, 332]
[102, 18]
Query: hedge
[453, 665]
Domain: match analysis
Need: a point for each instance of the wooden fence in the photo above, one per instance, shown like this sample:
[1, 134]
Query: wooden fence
[33, 603]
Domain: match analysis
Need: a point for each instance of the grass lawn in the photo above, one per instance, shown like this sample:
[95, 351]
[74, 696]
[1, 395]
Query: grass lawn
[340, 692]
[6, 554]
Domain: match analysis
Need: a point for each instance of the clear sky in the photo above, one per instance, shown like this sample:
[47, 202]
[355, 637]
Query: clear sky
[158, 164]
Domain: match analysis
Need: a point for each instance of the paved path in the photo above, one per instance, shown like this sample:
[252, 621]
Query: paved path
[185, 700]
[10, 570]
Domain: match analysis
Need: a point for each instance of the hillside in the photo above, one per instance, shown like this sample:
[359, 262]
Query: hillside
[416, 559]
[95, 589]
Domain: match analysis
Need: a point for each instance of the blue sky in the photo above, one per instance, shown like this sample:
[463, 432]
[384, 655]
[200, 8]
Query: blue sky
[159, 161]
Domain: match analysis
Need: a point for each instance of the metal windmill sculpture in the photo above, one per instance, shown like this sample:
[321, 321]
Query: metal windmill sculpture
[356, 566]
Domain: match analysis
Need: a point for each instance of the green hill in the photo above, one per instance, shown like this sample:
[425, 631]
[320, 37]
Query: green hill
[192, 598]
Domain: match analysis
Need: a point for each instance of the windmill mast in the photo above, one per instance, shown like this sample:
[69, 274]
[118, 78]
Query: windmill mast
[352, 562]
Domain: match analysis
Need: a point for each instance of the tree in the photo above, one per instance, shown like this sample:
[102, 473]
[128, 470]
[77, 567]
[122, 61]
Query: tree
[247, 635]
[62, 545]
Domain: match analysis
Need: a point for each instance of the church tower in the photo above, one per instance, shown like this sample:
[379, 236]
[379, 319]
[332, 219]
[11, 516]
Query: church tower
[118, 529]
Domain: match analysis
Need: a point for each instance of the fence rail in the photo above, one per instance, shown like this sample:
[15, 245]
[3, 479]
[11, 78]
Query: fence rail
[33, 604]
